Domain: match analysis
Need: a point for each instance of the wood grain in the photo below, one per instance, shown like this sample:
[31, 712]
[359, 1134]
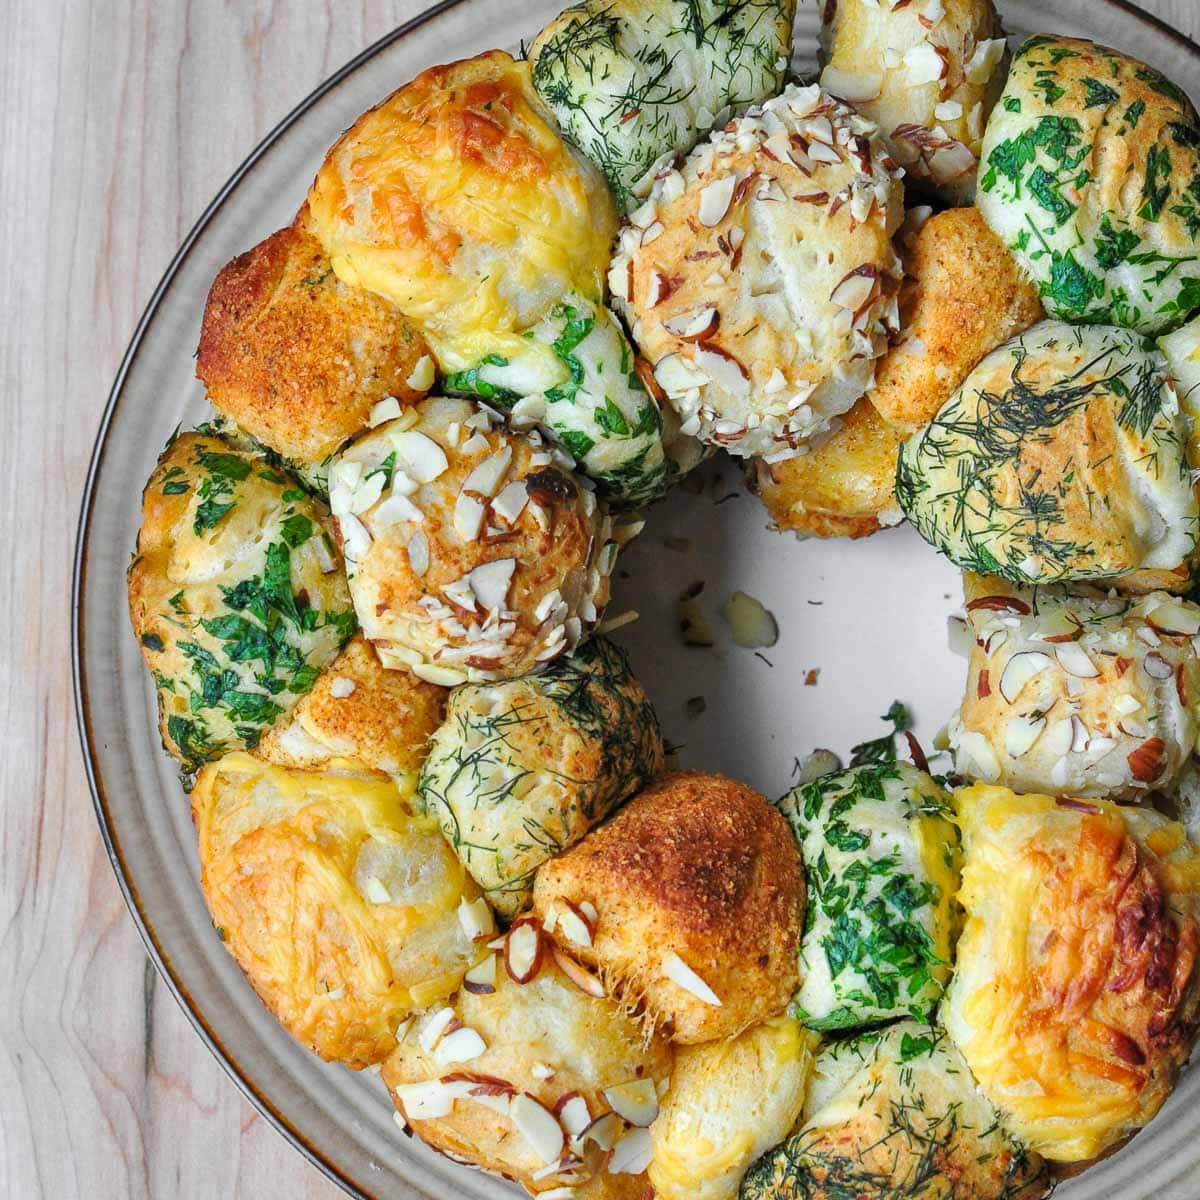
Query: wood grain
[118, 121]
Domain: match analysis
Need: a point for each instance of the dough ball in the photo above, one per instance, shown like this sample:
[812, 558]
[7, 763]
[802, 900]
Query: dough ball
[362, 713]
[759, 277]
[1077, 695]
[1091, 176]
[523, 1075]
[699, 898]
[471, 553]
[633, 81]
[236, 593]
[895, 1113]
[456, 199]
[339, 903]
[576, 377]
[844, 487]
[296, 358]
[881, 863]
[728, 1103]
[1074, 995]
[1061, 457]
[927, 73]
[963, 296]
[522, 769]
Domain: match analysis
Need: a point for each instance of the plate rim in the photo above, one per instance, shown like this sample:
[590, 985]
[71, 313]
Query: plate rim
[157, 953]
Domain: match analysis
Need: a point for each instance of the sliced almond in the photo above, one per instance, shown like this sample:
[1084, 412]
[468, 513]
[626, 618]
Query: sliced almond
[924, 64]
[676, 970]
[694, 326]
[1021, 733]
[387, 409]
[524, 949]
[723, 369]
[604, 1131]
[1157, 667]
[425, 460]
[460, 1045]
[490, 583]
[480, 980]
[395, 510]
[433, 1028]
[1175, 618]
[715, 199]
[475, 918]
[487, 476]
[579, 975]
[1019, 670]
[1148, 761]
[429, 1100]
[573, 925]
[856, 289]
[636, 1101]
[468, 516]
[510, 503]
[572, 1111]
[421, 377]
[1074, 659]
[999, 604]
[851, 86]
[418, 553]
[632, 1154]
[537, 1125]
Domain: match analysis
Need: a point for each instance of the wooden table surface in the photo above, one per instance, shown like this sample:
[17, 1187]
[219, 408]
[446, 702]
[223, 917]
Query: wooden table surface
[120, 120]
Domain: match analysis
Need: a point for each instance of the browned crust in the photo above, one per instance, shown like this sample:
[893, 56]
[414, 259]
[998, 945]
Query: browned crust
[703, 866]
[964, 295]
[294, 356]
[839, 489]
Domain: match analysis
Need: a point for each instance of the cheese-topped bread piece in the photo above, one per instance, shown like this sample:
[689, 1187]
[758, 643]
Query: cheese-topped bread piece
[472, 552]
[1089, 173]
[522, 769]
[297, 358]
[963, 295]
[526, 1075]
[927, 73]
[634, 81]
[692, 898]
[236, 593]
[1075, 991]
[362, 713]
[456, 199]
[759, 277]
[1077, 695]
[881, 861]
[728, 1103]
[340, 903]
[895, 1113]
[1062, 457]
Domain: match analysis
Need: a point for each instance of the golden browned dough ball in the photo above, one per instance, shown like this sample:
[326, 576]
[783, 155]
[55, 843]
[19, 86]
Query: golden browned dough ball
[963, 295]
[927, 72]
[473, 552]
[342, 905]
[360, 712]
[728, 1103]
[759, 277]
[295, 357]
[894, 1113]
[698, 897]
[515, 1077]
[237, 595]
[457, 199]
[1075, 992]
[845, 487]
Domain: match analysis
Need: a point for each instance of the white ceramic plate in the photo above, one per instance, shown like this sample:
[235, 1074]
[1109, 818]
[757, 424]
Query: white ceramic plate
[870, 616]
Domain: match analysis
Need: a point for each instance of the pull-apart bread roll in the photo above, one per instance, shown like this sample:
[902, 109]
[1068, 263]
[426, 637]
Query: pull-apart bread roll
[632, 81]
[728, 1103]
[236, 594]
[844, 487]
[359, 713]
[471, 553]
[522, 769]
[689, 902]
[759, 277]
[1091, 175]
[456, 199]
[895, 1113]
[881, 863]
[963, 296]
[1078, 695]
[342, 906]
[1062, 457]
[1074, 997]
[527, 1076]
[576, 376]
[298, 359]
[926, 72]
